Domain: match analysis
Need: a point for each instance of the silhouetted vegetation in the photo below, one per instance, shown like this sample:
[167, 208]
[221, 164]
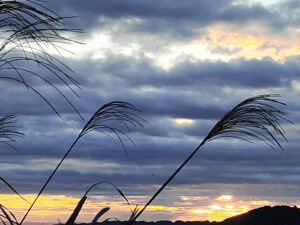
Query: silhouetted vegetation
[253, 118]
[277, 215]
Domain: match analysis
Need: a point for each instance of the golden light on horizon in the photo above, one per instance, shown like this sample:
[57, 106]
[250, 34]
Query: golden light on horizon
[216, 212]
[52, 207]
[260, 203]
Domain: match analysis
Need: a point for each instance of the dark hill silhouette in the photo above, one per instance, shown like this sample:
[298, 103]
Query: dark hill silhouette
[267, 215]
[277, 215]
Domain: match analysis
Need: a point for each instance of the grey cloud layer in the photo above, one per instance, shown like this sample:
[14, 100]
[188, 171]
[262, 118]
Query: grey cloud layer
[182, 86]
[177, 17]
[187, 74]
[187, 90]
[218, 163]
[161, 141]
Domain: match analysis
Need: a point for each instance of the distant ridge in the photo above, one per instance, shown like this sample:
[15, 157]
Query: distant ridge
[276, 215]
[267, 215]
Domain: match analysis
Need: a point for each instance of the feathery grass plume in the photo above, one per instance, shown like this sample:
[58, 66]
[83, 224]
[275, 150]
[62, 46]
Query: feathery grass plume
[117, 111]
[80, 204]
[28, 31]
[8, 130]
[254, 118]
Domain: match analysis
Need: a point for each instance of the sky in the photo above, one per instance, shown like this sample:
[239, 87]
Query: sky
[184, 64]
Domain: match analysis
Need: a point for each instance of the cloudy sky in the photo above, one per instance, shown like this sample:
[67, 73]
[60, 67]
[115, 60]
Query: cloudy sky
[184, 64]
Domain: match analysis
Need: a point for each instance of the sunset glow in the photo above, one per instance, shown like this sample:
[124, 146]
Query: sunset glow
[53, 207]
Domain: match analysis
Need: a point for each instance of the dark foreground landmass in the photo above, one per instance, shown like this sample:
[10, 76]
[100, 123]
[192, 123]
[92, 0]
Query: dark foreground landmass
[276, 215]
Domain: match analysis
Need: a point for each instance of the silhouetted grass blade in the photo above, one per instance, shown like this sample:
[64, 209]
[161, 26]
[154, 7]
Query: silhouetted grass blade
[76, 211]
[99, 214]
[11, 188]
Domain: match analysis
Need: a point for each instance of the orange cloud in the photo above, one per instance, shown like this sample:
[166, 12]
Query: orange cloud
[251, 43]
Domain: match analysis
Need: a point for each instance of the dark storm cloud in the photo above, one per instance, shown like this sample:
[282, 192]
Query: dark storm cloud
[178, 17]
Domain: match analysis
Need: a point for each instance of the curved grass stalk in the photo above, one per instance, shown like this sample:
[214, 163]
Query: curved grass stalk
[80, 204]
[254, 118]
[119, 111]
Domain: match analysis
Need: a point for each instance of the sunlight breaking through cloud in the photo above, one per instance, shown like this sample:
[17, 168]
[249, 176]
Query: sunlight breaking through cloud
[183, 121]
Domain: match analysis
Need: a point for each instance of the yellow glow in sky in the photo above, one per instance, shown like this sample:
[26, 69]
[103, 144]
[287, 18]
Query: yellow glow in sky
[215, 207]
[224, 198]
[216, 212]
[200, 211]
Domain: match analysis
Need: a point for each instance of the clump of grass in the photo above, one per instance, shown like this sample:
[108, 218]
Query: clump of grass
[117, 111]
[256, 118]
[7, 216]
